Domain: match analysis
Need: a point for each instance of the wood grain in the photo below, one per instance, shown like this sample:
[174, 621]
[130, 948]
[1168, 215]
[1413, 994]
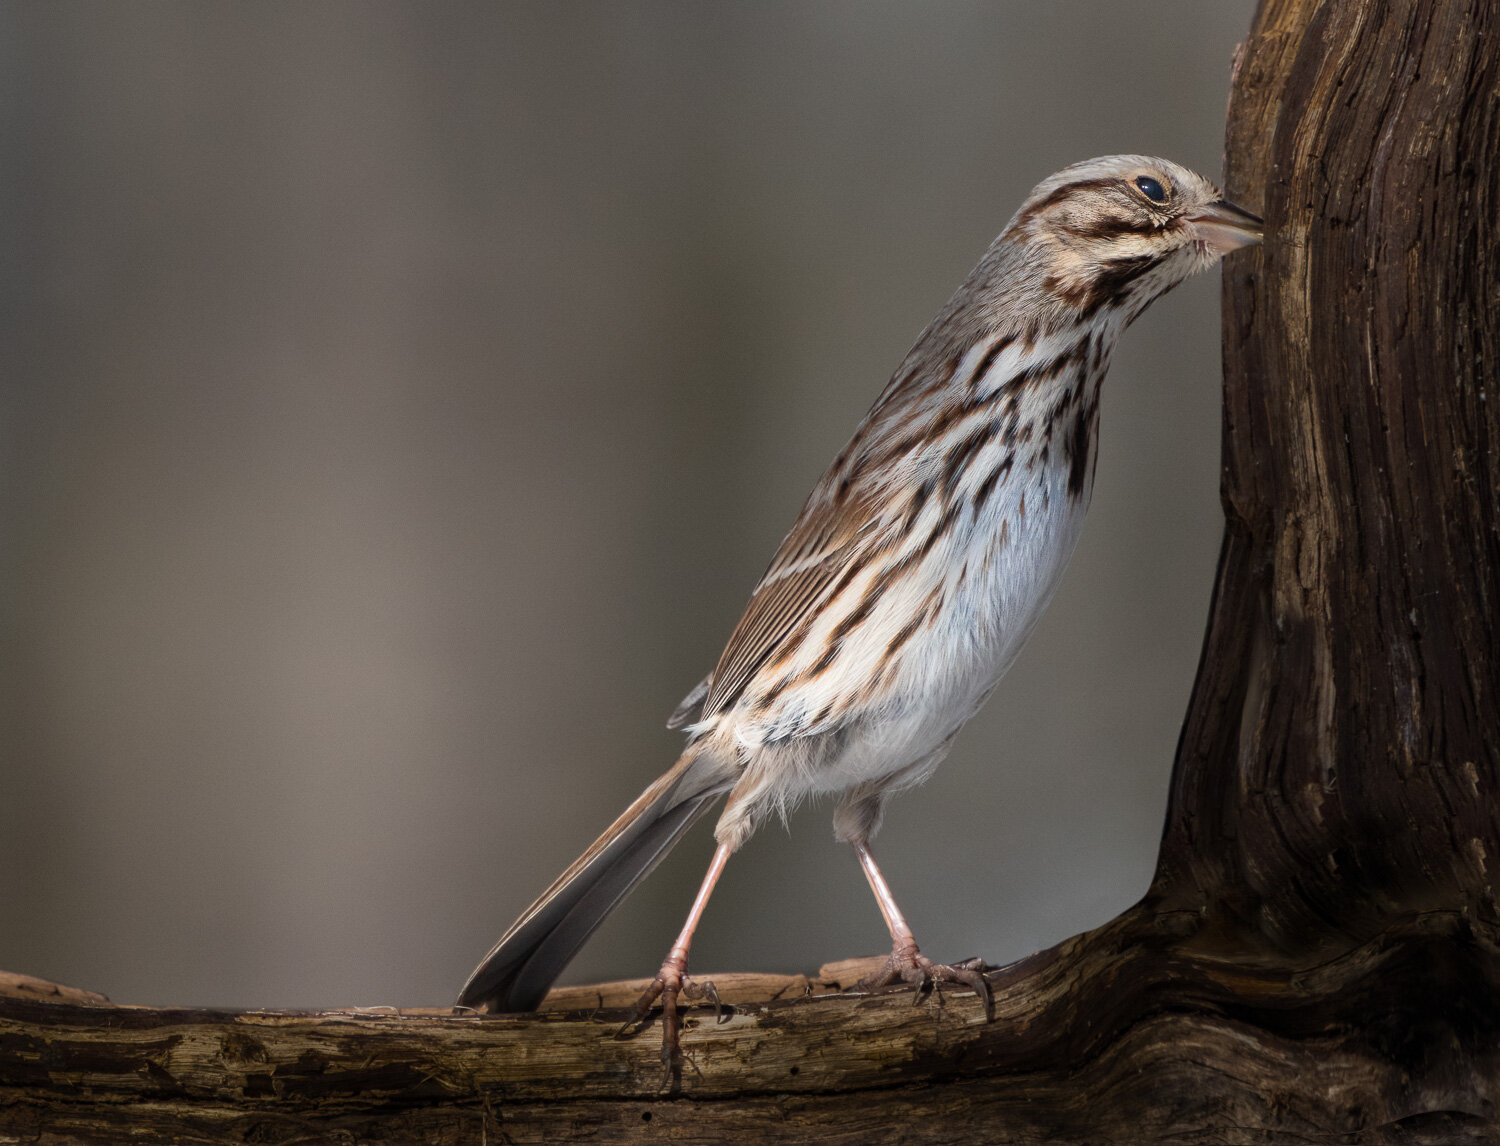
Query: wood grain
[1112, 1036]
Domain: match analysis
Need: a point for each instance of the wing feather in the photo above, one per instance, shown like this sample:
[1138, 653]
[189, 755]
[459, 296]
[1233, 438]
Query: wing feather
[826, 539]
[692, 704]
[843, 517]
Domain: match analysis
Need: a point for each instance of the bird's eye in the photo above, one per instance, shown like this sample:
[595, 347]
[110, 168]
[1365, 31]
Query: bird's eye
[1151, 189]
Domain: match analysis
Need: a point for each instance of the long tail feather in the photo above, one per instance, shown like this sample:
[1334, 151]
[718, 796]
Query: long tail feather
[519, 969]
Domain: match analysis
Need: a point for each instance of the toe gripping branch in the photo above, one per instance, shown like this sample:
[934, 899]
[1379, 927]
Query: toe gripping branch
[908, 965]
[670, 985]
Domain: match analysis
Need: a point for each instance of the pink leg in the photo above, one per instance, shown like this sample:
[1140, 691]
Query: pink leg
[895, 922]
[679, 952]
[907, 962]
[671, 980]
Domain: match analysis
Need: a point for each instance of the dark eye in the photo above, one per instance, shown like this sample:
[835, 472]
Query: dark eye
[1151, 189]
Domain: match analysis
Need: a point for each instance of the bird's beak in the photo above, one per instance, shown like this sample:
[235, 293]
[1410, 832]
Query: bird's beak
[1223, 227]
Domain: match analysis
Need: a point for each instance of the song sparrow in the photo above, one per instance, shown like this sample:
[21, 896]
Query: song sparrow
[915, 572]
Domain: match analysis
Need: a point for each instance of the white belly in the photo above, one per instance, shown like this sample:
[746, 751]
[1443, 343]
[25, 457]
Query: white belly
[997, 579]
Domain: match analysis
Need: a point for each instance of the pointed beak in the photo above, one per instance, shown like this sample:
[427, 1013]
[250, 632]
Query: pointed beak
[1223, 227]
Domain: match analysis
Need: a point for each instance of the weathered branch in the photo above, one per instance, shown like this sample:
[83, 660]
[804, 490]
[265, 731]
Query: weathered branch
[1114, 1036]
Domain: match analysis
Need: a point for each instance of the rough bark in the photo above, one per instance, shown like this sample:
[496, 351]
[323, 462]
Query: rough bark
[1317, 958]
[1114, 1036]
[1338, 763]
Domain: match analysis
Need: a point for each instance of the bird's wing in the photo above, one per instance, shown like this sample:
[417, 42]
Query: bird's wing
[824, 543]
[692, 704]
[844, 520]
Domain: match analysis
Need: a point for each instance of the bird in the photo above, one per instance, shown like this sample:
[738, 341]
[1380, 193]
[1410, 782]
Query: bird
[913, 575]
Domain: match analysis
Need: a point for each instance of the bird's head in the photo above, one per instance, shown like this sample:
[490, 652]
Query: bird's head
[1119, 231]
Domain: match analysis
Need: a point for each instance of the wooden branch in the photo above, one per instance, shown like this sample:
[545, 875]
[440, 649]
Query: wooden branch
[1114, 1036]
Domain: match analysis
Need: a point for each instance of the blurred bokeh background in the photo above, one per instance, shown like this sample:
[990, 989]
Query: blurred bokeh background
[400, 401]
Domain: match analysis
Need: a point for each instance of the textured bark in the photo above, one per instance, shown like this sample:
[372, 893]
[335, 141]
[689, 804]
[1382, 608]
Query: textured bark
[1114, 1036]
[1338, 764]
[1316, 960]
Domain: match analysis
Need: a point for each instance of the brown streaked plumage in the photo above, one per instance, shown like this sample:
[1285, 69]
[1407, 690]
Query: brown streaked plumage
[915, 570]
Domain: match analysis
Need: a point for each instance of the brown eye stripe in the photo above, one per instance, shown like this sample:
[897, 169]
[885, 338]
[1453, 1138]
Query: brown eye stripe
[1114, 226]
[1066, 191]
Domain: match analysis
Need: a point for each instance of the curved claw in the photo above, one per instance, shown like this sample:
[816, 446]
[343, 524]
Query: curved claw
[643, 1007]
[707, 991]
[908, 965]
[670, 985]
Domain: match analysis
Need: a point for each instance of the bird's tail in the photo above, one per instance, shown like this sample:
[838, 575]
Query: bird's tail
[519, 969]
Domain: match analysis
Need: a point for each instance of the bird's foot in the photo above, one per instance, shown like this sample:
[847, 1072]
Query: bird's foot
[909, 965]
[670, 985]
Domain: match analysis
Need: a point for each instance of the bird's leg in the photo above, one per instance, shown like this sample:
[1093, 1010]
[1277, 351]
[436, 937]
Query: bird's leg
[672, 981]
[907, 963]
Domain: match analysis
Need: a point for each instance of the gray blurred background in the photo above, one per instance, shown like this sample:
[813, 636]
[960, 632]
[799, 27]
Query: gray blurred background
[400, 401]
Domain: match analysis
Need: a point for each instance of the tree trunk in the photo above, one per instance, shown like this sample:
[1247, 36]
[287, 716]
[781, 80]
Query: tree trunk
[1316, 960]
